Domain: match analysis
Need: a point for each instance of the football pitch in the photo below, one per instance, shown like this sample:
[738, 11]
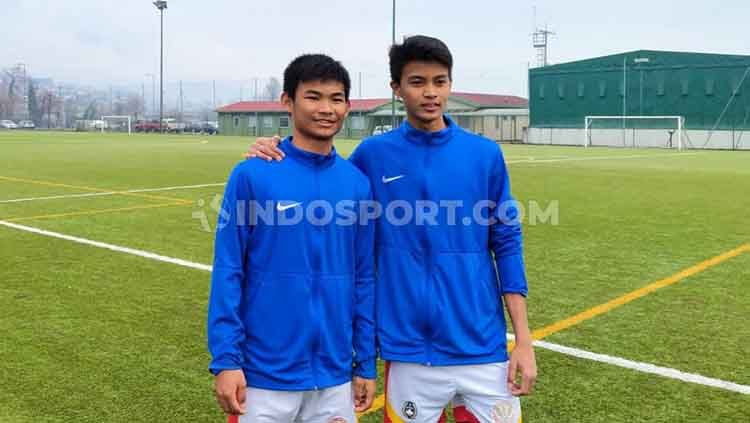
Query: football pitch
[639, 278]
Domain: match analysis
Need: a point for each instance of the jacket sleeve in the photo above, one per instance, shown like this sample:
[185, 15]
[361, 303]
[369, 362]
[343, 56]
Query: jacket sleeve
[505, 231]
[364, 308]
[225, 328]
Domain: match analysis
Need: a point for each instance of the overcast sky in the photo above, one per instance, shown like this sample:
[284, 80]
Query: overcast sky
[116, 41]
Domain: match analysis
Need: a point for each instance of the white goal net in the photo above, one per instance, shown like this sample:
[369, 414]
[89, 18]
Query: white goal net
[116, 124]
[635, 131]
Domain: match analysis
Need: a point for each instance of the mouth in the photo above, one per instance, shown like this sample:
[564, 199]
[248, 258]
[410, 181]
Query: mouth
[430, 107]
[326, 123]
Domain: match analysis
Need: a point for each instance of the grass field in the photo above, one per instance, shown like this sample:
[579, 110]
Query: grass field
[92, 334]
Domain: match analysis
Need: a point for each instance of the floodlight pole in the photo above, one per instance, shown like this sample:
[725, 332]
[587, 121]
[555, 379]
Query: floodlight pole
[161, 5]
[393, 42]
[624, 95]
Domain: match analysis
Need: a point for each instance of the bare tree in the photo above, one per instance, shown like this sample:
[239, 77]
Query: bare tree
[133, 105]
[272, 91]
[36, 112]
[5, 101]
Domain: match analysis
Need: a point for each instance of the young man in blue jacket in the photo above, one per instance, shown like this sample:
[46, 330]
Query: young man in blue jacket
[444, 272]
[290, 319]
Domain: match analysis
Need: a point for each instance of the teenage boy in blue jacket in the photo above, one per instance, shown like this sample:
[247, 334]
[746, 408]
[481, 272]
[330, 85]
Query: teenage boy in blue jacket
[442, 276]
[290, 320]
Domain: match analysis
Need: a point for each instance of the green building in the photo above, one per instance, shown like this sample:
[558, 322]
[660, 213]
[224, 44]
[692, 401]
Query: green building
[499, 117]
[709, 92]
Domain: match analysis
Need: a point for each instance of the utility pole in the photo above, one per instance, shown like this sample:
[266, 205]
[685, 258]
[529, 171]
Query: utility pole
[624, 95]
[393, 42]
[143, 99]
[182, 104]
[62, 106]
[161, 5]
[213, 94]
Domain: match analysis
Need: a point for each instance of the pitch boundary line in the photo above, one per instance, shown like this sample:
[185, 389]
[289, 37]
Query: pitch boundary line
[643, 367]
[106, 246]
[107, 193]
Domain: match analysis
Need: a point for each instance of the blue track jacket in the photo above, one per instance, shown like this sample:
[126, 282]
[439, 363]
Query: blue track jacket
[292, 299]
[438, 295]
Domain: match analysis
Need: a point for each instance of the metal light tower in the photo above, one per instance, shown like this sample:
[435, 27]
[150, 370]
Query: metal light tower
[393, 94]
[161, 5]
[540, 39]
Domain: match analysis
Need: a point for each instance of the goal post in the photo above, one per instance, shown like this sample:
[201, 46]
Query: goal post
[643, 131]
[123, 120]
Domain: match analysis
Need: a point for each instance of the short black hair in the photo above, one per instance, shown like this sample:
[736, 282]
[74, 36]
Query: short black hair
[419, 48]
[315, 67]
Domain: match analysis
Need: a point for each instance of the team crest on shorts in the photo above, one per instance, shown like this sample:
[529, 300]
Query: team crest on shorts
[502, 412]
[337, 419]
[409, 410]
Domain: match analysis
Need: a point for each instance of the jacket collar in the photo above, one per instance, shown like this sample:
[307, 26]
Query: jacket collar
[307, 157]
[418, 136]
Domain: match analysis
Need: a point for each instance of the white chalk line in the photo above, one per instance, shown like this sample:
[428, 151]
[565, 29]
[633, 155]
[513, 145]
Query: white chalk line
[649, 368]
[575, 159]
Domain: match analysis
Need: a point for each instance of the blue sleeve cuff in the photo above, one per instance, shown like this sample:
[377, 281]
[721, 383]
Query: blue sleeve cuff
[512, 273]
[366, 369]
[217, 367]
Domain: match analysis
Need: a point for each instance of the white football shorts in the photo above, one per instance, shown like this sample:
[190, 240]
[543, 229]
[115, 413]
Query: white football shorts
[416, 393]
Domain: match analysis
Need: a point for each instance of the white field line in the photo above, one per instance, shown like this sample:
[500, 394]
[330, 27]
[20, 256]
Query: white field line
[116, 248]
[616, 361]
[576, 159]
[101, 194]
[512, 158]
[643, 367]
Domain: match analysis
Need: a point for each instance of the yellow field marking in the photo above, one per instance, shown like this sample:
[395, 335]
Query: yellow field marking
[90, 189]
[377, 404]
[638, 293]
[92, 212]
[610, 305]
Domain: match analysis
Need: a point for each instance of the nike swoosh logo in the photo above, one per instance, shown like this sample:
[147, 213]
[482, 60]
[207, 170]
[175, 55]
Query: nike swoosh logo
[392, 178]
[281, 208]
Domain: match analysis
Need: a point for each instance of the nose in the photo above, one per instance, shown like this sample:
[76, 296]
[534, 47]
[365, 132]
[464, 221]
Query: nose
[430, 91]
[325, 107]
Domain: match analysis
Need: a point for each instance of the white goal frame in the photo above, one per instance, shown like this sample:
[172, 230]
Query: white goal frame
[589, 119]
[130, 126]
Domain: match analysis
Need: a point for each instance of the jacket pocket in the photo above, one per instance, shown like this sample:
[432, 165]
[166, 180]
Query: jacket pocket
[335, 320]
[277, 322]
[466, 297]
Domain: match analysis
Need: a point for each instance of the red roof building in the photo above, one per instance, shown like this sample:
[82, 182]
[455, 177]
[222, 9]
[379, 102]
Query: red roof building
[482, 113]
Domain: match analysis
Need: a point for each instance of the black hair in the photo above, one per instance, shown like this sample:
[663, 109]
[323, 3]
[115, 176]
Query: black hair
[315, 67]
[419, 48]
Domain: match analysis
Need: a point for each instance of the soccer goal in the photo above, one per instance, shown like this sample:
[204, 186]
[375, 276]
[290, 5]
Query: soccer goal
[634, 131]
[116, 124]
